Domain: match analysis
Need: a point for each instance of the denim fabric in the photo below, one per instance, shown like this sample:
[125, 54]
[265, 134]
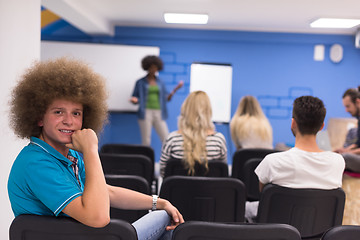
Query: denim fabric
[141, 91]
[153, 226]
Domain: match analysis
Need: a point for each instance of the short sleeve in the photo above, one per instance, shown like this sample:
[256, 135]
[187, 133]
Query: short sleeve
[52, 184]
[263, 171]
[136, 90]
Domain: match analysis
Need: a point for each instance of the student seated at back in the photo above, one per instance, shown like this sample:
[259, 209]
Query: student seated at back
[249, 126]
[196, 141]
[305, 165]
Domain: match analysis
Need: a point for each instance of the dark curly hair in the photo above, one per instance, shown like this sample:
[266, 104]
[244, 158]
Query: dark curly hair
[147, 61]
[47, 81]
[309, 113]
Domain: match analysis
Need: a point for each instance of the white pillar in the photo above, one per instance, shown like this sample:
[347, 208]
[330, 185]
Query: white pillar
[20, 32]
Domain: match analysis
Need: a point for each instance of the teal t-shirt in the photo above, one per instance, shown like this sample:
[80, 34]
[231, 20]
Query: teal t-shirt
[42, 181]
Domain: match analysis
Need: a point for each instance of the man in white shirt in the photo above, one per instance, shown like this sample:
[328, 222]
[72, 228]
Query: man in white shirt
[305, 165]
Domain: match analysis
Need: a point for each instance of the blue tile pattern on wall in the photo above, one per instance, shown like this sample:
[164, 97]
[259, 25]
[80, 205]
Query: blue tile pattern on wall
[280, 107]
[174, 72]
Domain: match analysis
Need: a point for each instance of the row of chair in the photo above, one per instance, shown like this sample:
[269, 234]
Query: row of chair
[31, 227]
[131, 159]
[223, 200]
[213, 199]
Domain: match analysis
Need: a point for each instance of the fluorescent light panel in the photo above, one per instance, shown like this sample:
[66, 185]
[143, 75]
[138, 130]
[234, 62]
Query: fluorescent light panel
[186, 18]
[334, 23]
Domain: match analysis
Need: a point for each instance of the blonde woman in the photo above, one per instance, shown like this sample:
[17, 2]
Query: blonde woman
[196, 141]
[249, 126]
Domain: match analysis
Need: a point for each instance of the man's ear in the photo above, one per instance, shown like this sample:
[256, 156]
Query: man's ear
[40, 123]
[357, 102]
[322, 126]
[293, 123]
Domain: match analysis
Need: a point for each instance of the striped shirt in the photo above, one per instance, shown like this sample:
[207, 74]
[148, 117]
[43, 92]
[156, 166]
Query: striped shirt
[173, 148]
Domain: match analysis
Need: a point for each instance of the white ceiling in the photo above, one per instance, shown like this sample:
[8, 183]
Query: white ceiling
[101, 16]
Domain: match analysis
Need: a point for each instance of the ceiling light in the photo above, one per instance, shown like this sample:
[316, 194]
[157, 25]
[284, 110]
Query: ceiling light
[186, 18]
[334, 23]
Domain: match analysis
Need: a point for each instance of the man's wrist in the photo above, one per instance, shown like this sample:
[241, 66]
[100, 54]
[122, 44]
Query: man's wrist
[154, 202]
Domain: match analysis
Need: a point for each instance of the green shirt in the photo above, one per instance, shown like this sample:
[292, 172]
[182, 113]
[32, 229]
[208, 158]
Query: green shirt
[153, 101]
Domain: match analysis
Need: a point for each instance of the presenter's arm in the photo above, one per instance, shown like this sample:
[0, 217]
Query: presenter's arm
[135, 96]
[134, 100]
[123, 198]
[180, 84]
[92, 208]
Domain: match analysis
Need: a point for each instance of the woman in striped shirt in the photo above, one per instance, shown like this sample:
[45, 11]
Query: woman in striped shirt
[196, 141]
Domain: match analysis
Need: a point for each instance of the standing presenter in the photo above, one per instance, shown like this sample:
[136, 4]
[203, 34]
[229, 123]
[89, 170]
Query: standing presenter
[151, 95]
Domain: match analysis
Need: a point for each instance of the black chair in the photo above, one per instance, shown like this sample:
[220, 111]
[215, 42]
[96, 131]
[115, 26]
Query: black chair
[206, 198]
[136, 183]
[251, 180]
[129, 149]
[344, 232]
[122, 148]
[195, 230]
[176, 167]
[311, 211]
[243, 155]
[33, 227]
[127, 164]
[240, 157]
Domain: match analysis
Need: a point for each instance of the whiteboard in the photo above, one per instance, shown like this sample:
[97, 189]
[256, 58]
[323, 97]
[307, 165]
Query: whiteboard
[119, 64]
[216, 81]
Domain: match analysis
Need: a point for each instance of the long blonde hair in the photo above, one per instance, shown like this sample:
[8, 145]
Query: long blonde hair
[194, 124]
[249, 119]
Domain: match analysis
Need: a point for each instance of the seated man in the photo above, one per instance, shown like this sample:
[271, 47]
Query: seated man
[351, 137]
[305, 165]
[351, 153]
[59, 106]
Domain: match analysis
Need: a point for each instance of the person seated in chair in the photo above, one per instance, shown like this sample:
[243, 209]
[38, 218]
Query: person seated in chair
[60, 105]
[305, 165]
[351, 153]
[249, 126]
[196, 142]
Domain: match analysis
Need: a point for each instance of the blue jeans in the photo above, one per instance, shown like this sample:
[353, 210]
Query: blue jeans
[152, 226]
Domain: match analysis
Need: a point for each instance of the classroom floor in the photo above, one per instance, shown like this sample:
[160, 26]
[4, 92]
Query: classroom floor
[351, 186]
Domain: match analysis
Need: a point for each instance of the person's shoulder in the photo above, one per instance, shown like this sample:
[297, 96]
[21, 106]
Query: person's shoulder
[141, 80]
[279, 154]
[334, 155]
[175, 135]
[31, 152]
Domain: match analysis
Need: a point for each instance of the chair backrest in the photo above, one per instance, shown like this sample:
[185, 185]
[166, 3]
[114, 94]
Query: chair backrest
[176, 167]
[33, 227]
[251, 180]
[243, 155]
[129, 149]
[206, 198]
[136, 183]
[127, 164]
[195, 230]
[311, 211]
[345, 232]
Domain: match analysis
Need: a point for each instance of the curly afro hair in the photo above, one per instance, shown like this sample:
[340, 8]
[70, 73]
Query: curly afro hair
[147, 61]
[47, 81]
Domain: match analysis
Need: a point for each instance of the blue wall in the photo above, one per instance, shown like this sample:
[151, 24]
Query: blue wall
[274, 67]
